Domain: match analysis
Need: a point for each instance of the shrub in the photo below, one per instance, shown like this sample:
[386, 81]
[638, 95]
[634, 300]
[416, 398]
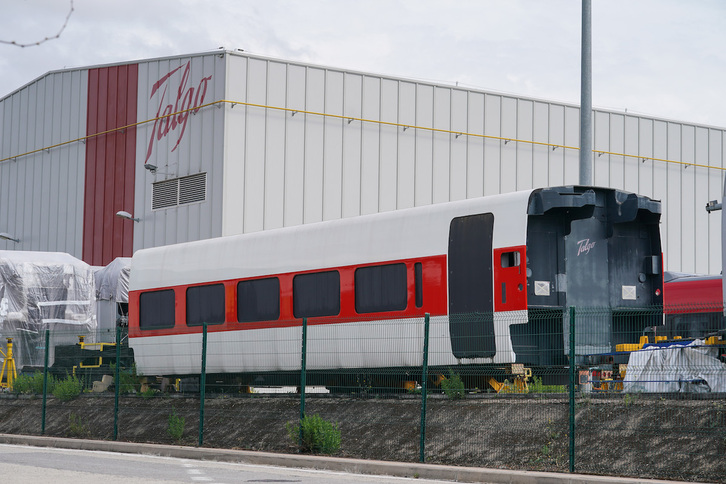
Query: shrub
[318, 435]
[453, 386]
[129, 381]
[149, 393]
[67, 389]
[32, 384]
[175, 426]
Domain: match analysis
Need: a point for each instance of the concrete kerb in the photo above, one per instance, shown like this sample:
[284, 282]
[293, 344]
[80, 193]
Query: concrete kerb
[356, 466]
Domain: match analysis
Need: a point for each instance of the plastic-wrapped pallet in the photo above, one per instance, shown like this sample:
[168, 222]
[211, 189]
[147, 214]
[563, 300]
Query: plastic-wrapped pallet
[45, 291]
[112, 297]
[691, 366]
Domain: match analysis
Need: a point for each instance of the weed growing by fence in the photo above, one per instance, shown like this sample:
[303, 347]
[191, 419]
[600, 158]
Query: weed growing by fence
[76, 427]
[453, 386]
[318, 435]
[67, 389]
[129, 381]
[175, 426]
[538, 387]
[630, 398]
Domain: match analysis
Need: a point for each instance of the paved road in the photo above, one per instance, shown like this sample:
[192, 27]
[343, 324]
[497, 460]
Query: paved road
[50, 460]
[21, 465]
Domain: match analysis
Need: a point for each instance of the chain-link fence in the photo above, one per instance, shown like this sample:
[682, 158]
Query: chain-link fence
[644, 395]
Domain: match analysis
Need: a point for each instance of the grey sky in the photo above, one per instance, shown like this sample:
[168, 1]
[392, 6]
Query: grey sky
[662, 58]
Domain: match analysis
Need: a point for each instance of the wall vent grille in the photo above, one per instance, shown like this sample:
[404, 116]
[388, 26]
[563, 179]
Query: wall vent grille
[179, 191]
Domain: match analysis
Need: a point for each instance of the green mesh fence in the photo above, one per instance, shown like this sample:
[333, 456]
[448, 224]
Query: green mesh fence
[648, 400]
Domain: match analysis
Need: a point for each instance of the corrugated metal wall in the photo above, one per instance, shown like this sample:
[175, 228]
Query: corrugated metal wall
[322, 143]
[110, 163]
[41, 194]
[180, 146]
[280, 144]
[691, 237]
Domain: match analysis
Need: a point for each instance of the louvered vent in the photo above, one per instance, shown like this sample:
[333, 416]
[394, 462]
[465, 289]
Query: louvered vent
[165, 194]
[179, 191]
[193, 188]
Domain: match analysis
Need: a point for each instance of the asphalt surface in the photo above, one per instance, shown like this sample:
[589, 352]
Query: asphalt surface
[31, 465]
[355, 466]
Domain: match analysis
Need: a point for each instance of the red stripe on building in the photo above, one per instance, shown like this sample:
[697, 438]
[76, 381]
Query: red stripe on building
[110, 163]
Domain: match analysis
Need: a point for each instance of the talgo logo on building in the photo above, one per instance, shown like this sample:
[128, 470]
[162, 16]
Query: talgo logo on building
[182, 100]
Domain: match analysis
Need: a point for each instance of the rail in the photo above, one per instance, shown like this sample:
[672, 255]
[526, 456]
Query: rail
[350, 119]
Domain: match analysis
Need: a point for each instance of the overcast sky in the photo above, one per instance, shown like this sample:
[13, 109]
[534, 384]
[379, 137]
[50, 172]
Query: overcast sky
[662, 58]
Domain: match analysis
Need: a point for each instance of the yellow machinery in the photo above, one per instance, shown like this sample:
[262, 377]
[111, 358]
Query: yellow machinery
[9, 373]
[519, 383]
[92, 346]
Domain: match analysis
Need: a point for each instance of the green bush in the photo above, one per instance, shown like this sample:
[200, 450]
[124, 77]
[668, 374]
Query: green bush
[452, 386]
[67, 389]
[175, 427]
[129, 380]
[318, 435]
[149, 393]
[32, 384]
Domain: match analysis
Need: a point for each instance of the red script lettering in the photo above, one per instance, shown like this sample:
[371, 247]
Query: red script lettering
[170, 116]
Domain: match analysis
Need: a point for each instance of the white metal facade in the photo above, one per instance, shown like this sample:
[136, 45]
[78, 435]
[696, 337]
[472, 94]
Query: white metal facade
[200, 150]
[285, 143]
[41, 194]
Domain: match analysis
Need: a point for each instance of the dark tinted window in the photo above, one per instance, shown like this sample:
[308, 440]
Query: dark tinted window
[258, 300]
[380, 288]
[205, 304]
[316, 294]
[156, 309]
[418, 275]
[510, 259]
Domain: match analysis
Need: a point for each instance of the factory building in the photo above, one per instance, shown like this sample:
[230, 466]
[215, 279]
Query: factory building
[220, 143]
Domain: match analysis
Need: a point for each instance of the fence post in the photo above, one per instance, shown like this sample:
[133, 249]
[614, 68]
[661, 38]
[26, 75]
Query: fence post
[573, 369]
[202, 384]
[117, 382]
[424, 379]
[303, 376]
[45, 380]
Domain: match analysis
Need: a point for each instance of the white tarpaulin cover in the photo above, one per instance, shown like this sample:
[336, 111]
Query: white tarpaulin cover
[112, 281]
[44, 290]
[687, 367]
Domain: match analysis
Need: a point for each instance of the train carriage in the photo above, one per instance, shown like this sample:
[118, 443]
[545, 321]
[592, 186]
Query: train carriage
[485, 269]
[693, 306]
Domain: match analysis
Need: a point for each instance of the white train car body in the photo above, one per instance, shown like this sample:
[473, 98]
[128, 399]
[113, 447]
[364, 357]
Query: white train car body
[365, 283]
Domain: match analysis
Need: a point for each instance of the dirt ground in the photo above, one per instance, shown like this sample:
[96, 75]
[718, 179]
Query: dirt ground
[620, 435]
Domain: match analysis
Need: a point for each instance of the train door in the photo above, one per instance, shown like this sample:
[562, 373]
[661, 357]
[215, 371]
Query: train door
[471, 299]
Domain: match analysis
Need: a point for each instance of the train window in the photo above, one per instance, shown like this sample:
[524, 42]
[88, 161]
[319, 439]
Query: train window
[381, 288]
[258, 300]
[316, 294]
[418, 276]
[205, 304]
[156, 309]
[510, 259]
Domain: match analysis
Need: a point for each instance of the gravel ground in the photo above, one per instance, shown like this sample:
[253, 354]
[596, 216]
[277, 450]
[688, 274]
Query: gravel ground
[620, 435]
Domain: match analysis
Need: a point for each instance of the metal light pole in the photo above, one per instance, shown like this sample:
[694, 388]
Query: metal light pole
[586, 96]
